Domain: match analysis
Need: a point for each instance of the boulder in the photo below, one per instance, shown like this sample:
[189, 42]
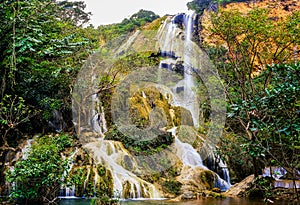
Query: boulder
[195, 182]
[240, 189]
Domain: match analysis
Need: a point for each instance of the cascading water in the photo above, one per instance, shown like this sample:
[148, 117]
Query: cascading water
[26, 149]
[188, 99]
[98, 121]
[12, 157]
[190, 157]
[126, 183]
[225, 171]
[68, 191]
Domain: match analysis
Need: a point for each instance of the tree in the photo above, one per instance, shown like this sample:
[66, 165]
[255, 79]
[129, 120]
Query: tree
[13, 112]
[243, 43]
[44, 52]
[137, 20]
[73, 12]
[40, 56]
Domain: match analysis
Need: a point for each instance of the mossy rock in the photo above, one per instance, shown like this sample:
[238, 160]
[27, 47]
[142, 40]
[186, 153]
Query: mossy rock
[150, 108]
[77, 176]
[208, 179]
[172, 186]
[126, 192]
[188, 134]
[104, 183]
[216, 194]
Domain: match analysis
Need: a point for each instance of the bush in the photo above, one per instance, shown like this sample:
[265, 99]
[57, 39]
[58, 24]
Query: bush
[38, 177]
[172, 187]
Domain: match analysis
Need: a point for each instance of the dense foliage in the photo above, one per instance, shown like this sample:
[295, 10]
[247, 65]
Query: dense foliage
[263, 101]
[41, 54]
[39, 175]
[109, 32]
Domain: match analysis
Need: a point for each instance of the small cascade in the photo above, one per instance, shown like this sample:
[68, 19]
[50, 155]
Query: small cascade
[225, 171]
[11, 157]
[95, 181]
[57, 122]
[190, 157]
[71, 159]
[65, 190]
[98, 121]
[287, 184]
[25, 150]
[275, 172]
[280, 176]
[221, 184]
[126, 183]
[70, 191]
[167, 48]
[86, 179]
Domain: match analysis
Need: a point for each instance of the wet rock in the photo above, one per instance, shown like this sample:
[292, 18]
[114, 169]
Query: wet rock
[193, 182]
[179, 19]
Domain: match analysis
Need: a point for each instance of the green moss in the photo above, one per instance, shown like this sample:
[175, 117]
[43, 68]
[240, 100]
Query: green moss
[77, 176]
[216, 195]
[104, 184]
[208, 179]
[126, 190]
[141, 147]
[172, 186]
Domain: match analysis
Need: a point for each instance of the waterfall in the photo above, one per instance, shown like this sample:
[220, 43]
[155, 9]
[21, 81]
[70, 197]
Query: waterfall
[65, 190]
[275, 172]
[95, 181]
[126, 183]
[111, 154]
[86, 179]
[12, 157]
[225, 171]
[70, 191]
[25, 150]
[98, 121]
[188, 155]
[221, 184]
[184, 92]
[187, 99]
[57, 122]
[190, 97]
